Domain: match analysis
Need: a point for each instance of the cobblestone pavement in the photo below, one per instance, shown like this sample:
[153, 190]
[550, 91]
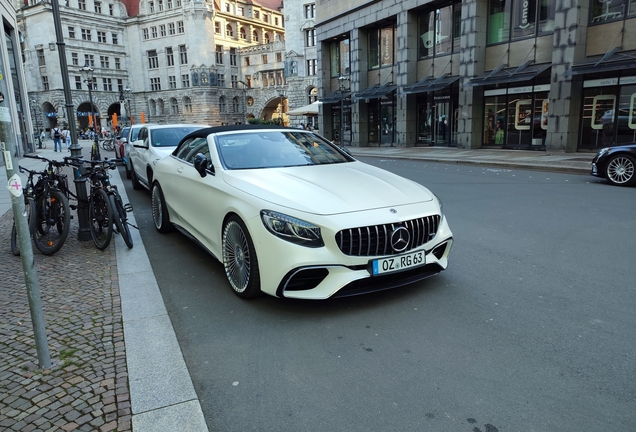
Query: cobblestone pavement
[86, 389]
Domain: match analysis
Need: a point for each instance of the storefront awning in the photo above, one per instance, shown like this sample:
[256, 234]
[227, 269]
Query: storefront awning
[430, 84]
[612, 61]
[335, 97]
[375, 91]
[502, 75]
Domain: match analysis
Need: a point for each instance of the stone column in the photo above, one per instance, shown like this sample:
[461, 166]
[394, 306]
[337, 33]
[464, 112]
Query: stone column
[359, 65]
[406, 109]
[566, 93]
[471, 64]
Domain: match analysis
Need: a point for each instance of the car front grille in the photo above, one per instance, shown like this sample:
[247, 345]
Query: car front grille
[375, 240]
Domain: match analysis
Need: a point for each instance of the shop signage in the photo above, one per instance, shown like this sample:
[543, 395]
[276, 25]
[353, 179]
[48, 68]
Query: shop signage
[494, 92]
[542, 87]
[628, 80]
[525, 7]
[600, 82]
[519, 90]
[441, 97]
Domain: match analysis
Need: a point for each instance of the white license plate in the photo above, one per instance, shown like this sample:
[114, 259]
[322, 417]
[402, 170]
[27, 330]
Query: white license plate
[398, 263]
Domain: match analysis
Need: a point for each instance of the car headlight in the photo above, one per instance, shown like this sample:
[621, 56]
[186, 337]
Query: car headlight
[602, 151]
[292, 229]
[441, 210]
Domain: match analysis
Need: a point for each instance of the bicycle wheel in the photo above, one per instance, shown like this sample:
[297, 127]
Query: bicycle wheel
[107, 144]
[29, 207]
[52, 222]
[101, 218]
[121, 220]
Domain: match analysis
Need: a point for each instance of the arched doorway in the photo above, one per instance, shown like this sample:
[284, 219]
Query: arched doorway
[276, 111]
[84, 119]
[114, 111]
[50, 115]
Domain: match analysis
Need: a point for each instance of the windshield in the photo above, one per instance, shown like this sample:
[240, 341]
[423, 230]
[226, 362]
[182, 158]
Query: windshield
[265, 149]
[170, 137]
[133, 134]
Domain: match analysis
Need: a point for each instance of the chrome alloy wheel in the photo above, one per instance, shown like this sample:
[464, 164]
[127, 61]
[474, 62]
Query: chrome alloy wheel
[157, 208]
[620, 170]
[236, 256]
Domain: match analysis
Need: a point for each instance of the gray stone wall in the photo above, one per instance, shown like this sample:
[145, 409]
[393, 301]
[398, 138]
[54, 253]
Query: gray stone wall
[570, 30]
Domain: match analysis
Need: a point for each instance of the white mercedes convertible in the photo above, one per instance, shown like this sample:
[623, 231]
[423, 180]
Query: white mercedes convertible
[292, 215]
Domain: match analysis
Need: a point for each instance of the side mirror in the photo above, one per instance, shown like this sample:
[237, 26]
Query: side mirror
[200, 163]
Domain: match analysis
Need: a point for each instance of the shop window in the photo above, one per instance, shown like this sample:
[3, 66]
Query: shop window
[381, 47]
[522, 18]
[597, 125]
[339, 58]
[494, 120]
[498, 21]
[519, 121]
[440, 30]
[608, 10]
[626, 115]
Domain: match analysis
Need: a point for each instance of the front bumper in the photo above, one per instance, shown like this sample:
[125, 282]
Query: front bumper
[319, 282]
[595, 171]
[292, 271]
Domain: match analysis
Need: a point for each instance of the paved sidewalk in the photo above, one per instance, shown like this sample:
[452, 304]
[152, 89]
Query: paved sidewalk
[117, 362]
[579, 163]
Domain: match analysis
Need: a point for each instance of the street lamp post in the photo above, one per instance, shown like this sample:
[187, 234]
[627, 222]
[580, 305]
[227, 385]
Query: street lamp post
[34, 103]
[87, 74]
[122, 103]
[245, 87]
[342, 88]
[282, 108]
[128, 92]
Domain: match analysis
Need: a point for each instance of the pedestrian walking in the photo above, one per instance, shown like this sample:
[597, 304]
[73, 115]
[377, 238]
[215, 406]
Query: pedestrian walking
[56, 134]
[66, 135]
[42, 138]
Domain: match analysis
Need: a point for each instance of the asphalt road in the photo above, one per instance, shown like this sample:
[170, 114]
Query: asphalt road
[531, 328]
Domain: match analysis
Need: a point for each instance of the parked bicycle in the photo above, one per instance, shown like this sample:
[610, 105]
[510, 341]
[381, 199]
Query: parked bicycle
[108, 144]
[50, 211]
[105, 206]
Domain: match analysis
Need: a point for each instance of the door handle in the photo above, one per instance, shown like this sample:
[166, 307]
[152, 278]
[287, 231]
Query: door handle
[180, 170]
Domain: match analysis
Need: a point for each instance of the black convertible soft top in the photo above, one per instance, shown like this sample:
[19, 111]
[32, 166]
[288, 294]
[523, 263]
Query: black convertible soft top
[202, 133]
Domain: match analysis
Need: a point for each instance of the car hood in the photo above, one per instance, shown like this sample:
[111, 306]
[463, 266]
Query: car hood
[329, 189]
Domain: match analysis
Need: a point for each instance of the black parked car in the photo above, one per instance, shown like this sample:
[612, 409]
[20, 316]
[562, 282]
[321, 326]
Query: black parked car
[616, 164]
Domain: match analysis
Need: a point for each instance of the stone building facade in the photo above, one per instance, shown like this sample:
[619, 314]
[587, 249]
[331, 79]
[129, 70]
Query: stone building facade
[161, 61]
[549, 75]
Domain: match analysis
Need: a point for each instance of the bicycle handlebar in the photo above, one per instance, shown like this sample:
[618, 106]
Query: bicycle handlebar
[54, 163]
[32, 172]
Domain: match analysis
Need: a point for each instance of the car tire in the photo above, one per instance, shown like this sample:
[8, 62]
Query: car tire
[160, 215]
[135, 181]
[239, 259]
[620, 170]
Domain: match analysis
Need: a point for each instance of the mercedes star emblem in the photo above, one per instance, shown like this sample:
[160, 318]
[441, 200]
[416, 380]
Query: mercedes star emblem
[400, 239]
